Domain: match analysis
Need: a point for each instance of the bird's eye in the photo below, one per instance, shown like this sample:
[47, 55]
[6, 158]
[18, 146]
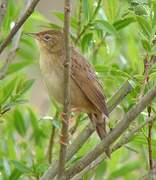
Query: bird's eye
[47, 37]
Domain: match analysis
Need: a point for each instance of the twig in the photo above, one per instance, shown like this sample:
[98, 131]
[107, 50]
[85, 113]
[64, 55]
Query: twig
[115, 133]
[149, 140]
[3, 9]
[124, 140]
[90, 21]
[64, 130]
[125, 89]
[18, 24]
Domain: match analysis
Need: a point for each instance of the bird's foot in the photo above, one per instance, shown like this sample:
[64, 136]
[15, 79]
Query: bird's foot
[63, 140]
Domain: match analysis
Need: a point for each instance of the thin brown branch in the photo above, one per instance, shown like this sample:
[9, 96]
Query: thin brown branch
[18, 24]
[3, 10]
[64, 130]
[89, 22]
[125, 89]
[114, 135]
[124, 140]
[149, 140]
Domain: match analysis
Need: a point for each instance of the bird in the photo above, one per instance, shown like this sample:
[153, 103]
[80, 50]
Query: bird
[86, 91]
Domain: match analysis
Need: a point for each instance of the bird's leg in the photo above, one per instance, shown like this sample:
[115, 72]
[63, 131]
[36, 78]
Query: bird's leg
[66, 121]
[71, 117]
[62, 140]
[70, 120]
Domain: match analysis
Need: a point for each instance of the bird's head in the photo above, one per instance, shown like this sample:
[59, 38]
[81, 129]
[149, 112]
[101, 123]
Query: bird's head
[49, 40]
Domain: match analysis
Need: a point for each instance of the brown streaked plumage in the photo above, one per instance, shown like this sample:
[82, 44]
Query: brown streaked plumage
[86, 91]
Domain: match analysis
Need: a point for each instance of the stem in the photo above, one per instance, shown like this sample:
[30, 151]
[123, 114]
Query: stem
[64, 130]
[18, 24]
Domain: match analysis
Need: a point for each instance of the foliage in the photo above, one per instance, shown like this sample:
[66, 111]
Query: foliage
[116, 38]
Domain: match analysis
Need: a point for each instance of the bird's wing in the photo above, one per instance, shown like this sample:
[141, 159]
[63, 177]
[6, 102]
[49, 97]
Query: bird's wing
[86, 79]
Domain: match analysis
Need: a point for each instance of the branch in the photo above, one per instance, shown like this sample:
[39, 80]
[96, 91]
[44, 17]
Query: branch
[115, 133]
[3, 10]
[125, 89]
[124, 140]
[149, 140]
[18, 24]
[64, 130]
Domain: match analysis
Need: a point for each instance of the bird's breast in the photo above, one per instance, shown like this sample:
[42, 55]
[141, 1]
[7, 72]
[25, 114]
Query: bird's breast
[53, 77]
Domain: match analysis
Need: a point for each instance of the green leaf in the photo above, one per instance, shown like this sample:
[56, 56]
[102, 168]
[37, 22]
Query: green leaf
[60, 16]
[8, 90]
[146, 45]
[21, 167]
[145, 26]
[154, 15]
[85, 42]
[33, 119]
[55, 26]
[125, 169]
[106, 26]
[15, 174]
[19, 122]
[123, 23]
[26, 86]
[39, 17]
[152, 76]
[85, 5]
[100, 170]
[13, 68]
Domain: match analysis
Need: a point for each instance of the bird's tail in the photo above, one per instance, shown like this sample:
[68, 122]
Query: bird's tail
[100, 126]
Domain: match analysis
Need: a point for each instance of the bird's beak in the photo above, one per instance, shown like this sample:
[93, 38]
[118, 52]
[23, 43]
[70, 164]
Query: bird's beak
[33, 35]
